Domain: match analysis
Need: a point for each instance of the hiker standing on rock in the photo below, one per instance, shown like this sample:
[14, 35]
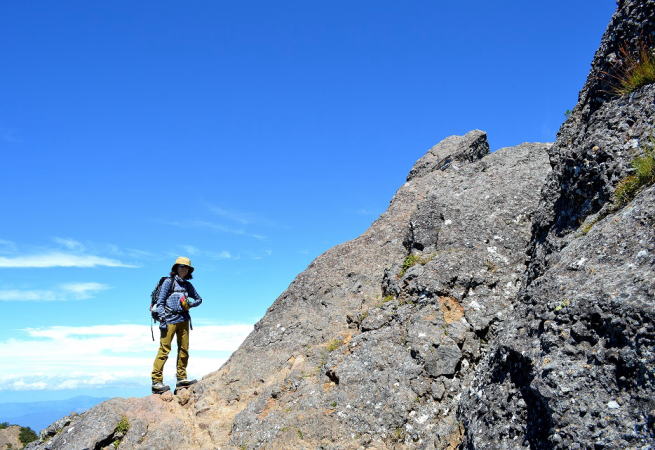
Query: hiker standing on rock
[176, 296]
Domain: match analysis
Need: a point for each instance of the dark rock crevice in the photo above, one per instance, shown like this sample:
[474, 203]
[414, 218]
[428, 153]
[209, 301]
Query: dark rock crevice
[538, 417]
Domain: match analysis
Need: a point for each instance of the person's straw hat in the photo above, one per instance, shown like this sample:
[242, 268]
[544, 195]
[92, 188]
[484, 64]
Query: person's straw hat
[183, 261]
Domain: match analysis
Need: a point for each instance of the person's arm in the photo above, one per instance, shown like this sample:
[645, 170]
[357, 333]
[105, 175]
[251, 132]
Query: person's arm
[194, 298]
[164, 291]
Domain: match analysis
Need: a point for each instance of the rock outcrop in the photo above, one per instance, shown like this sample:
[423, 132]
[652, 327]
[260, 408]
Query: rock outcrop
[496, 304]
[10, 437]
[574, 366]
[373, 343]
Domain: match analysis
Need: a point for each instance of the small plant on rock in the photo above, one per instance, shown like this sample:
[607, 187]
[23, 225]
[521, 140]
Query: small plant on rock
[636, 69]
[411, 260]
[491, 266]
[563, 304]
[121, 429]
[334, 344]
[399, 434]
[123, 426]
[586, 227]
[644, 175]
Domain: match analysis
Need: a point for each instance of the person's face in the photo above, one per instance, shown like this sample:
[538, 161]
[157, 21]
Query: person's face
[183, 271]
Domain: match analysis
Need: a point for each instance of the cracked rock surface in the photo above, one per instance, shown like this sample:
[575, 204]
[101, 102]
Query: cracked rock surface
[573, 365]
[393, 367]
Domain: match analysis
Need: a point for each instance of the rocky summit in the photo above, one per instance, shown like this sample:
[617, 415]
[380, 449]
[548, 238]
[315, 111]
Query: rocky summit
[504, 300]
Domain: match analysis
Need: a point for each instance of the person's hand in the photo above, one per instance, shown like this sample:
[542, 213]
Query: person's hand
[184, 303]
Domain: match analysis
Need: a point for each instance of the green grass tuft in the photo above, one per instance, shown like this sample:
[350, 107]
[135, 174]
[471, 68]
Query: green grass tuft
[411, 260]
[563, 304]
[123, 426]
[637, 70]
[334, 344]
[644, 175]
[626, 190]
[120, 431]
[586, 228]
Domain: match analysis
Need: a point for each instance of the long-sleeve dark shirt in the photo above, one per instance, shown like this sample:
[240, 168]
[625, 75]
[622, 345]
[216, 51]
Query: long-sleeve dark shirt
[168, 302]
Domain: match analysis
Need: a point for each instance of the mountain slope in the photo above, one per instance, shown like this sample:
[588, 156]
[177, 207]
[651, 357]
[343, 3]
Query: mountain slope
[362, 347]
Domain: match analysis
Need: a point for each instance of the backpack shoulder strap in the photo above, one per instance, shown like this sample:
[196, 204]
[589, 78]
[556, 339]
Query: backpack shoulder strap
[171, 288]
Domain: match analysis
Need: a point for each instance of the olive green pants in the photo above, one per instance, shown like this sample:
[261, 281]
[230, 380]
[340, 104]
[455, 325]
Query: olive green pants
[181, 330]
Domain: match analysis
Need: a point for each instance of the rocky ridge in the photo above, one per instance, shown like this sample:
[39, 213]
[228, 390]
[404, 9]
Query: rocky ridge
[374, 342]
[427, 331]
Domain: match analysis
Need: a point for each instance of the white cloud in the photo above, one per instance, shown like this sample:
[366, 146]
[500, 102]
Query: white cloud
[239, 217]
[215, 227]
[190, 249]
[21, 385]
[220, 255]
[82, 291]
[133, 253]
[69, 291]
[18, 295]
[242, 217]
[70, 244]
[58, 259]
[260, 256]
[99, 356]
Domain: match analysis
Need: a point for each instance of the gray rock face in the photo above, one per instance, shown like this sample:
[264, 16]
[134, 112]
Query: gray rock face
[98, 428]
[392, 371]
[573, 366]
[602, 136]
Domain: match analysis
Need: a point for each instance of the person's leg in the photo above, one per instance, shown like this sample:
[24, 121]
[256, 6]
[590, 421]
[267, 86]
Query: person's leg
[165, 339]
[182, 349]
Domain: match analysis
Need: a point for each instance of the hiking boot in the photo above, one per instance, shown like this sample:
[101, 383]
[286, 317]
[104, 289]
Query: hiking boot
[160, 388]
[185, 383]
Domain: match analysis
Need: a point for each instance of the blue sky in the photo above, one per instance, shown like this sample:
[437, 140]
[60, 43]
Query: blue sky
[250, 136]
